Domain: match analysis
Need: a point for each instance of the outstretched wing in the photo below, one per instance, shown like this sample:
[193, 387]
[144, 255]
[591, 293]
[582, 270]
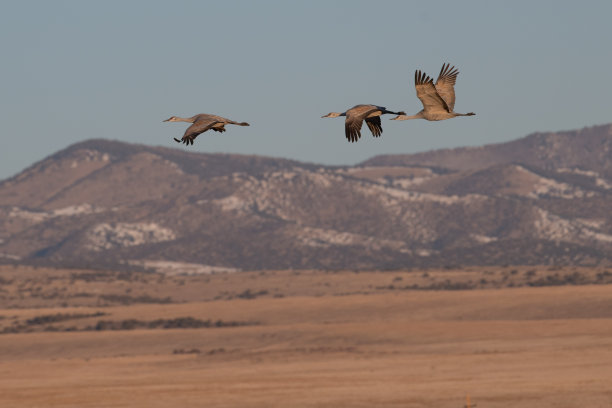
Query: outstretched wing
[355, 117]
[445, 85]
[427, 93]
[352, 127]
[374, 125]
[199, 126]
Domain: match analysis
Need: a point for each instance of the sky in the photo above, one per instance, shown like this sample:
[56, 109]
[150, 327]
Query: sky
[78, 70]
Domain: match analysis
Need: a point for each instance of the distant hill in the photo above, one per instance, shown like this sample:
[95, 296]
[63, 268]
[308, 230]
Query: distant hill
[589, 148]
[542, 199]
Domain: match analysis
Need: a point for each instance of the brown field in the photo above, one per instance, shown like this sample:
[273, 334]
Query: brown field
[306, 339]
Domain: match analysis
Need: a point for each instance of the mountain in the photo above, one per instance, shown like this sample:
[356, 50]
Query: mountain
[588, 148]
[542, 199]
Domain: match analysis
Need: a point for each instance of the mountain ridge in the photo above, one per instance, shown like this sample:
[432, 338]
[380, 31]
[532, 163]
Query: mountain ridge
[466, 158]
[113, 204]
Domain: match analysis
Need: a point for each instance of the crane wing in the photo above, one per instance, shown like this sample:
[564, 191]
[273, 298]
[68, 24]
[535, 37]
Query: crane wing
[352, 127]
[445, 85]
[217, 118]
[199, 126]
[374, 125]
[427, 93]
[354, 120]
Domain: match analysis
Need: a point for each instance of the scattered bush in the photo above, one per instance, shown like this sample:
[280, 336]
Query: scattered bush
[4, 281]
[126, 299]
[60, 317]
[247, 294]
[186, 351]
[176, 323]
[574, 278]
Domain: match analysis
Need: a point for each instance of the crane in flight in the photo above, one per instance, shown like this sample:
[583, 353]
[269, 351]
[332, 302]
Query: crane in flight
[202, 123]
[438, 100]
[357, 115]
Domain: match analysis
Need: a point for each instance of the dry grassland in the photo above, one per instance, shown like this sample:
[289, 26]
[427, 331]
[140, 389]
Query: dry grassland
[313, 339]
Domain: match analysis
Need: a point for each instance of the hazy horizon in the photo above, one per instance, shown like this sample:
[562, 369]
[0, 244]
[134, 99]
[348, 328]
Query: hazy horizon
[78, 71]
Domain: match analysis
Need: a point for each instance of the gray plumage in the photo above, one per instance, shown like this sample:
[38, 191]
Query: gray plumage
[357, 115]
[438, 100]
[202, 123]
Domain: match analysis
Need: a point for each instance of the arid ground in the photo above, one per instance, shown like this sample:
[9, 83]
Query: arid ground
[508, 337]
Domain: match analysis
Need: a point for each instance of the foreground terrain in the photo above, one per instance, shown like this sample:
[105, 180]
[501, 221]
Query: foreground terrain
[306, 339]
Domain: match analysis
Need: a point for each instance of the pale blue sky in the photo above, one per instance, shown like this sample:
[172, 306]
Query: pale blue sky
[74, 70]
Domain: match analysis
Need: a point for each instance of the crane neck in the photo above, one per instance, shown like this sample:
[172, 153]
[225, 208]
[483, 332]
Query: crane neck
[394, 113]
[406, 117]
[189, 120]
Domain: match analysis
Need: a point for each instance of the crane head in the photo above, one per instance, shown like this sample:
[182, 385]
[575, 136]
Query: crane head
[172, 119]
[332, 115]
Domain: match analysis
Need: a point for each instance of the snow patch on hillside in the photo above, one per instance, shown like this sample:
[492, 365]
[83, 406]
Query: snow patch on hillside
[273, 194]
[415, 196]
[87, 155]
[483, 239]
[599, 181]
[39, 216]
[76, 210]
[553, 227]
[232, 203]
[551, 188]
[546, 187]
[325, 238]
[34, 216]
[409, 182]
[174, 167]
[117, 235]
[10, 256]
[182, 268]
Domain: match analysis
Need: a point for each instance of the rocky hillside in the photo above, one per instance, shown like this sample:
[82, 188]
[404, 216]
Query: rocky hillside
[543, 199]
[588, 148]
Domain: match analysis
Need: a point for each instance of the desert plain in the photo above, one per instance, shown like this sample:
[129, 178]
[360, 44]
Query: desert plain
[505, 336]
